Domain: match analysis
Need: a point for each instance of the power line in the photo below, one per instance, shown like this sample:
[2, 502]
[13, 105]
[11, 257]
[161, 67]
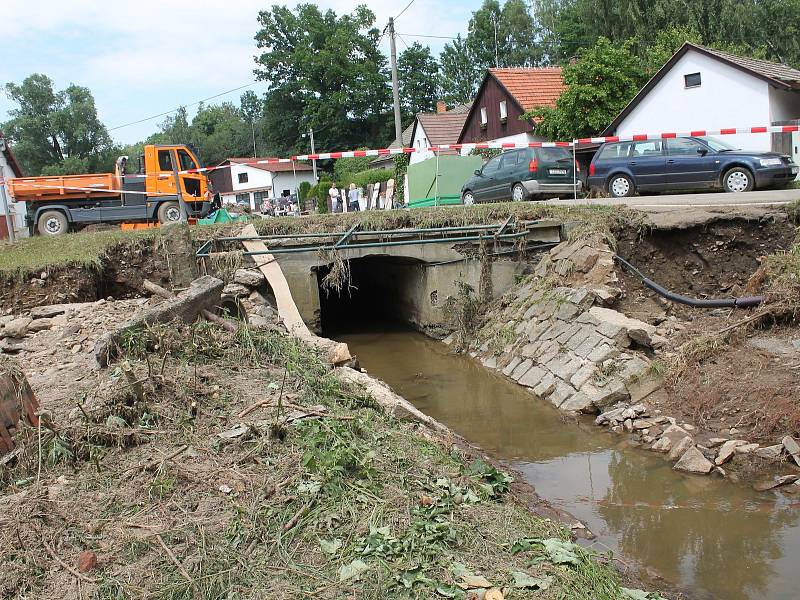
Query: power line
[163, 114]
[404, 10]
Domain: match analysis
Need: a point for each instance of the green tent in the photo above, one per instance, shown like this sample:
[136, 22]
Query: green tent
[453, 172]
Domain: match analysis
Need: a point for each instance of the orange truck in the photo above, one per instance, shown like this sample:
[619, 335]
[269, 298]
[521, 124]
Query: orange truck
[55, 205]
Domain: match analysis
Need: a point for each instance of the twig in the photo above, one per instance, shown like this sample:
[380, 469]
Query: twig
[154, 463]
[297, 516]
[77, 574]
[177, 563]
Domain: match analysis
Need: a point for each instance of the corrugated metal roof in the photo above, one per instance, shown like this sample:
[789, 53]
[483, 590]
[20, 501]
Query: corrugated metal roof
[532, 87]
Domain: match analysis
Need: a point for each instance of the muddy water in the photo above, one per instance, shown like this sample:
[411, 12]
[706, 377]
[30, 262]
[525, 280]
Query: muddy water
[711, 538]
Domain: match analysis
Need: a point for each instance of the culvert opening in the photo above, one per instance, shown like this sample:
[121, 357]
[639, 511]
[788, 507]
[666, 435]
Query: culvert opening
[380, 291]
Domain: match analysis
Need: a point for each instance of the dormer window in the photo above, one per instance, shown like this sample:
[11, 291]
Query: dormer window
[503, 111]
[692, 80]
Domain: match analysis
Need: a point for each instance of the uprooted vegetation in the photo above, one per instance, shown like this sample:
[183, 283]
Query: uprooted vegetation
[217, 465]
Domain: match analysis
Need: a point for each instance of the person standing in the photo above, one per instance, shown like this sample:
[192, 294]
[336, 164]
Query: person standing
[352, 197]
[334, 194]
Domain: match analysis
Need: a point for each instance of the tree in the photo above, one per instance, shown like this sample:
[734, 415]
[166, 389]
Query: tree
[599, 84]
[329, 70]
[49, 127]
[503, 37]
[418, 72]
[458, 75]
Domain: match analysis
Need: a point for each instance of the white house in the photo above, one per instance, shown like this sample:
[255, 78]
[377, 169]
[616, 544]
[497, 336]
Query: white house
[9, 167]
[246, 183]
[704, 89]
[435, 129]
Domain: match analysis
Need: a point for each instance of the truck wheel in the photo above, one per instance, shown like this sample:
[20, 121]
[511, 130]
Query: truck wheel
[52, 222]
[169, 212]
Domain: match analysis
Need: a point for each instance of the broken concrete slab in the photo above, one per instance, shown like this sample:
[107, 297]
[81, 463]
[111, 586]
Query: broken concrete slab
[203, 293]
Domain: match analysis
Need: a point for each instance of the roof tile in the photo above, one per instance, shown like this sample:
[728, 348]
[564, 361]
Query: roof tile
[531, 87]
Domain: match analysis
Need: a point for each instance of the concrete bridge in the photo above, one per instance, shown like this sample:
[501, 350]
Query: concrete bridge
[405, 275]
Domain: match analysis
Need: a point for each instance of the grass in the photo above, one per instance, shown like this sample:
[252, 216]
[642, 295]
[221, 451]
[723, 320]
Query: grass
[39, 253]
[352, 504]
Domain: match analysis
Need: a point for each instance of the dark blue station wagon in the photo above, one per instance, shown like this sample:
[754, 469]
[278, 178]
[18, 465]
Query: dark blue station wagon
[685, 163]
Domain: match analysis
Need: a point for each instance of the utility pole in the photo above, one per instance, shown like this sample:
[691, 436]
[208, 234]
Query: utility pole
[9, 220]
[313, 151]
[398, 127]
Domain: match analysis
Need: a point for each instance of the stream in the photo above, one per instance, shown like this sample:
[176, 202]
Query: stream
[708, 537]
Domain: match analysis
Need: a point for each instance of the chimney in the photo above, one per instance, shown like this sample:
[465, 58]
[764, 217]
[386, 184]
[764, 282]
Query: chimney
[441, 107]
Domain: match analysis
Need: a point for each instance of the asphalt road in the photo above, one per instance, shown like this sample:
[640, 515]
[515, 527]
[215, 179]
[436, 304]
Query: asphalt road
[711, 200]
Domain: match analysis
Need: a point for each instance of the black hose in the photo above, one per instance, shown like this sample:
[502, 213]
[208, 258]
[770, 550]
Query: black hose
[744, 302]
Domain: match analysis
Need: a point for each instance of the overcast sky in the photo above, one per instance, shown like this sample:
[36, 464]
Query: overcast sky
[145, 57]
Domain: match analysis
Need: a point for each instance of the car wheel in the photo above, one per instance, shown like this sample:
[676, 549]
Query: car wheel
[518, 193]
[52, 222]
[736, 180]
[620, 186]
[467, 198]
[169, 212]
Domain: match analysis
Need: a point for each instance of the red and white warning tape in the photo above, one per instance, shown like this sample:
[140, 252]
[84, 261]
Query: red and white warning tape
[449, 147]
[694, 133]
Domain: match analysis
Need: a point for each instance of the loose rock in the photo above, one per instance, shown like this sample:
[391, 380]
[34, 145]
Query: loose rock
[693, 461]
[727, 450]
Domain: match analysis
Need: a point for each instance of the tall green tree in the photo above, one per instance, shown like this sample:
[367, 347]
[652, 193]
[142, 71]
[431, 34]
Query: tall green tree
[331, 69]
[459, 76]
[49, 128]
[599, 84]
[418, 72]
[503, 36]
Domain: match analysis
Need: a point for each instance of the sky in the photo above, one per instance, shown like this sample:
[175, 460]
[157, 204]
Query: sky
[147, 57]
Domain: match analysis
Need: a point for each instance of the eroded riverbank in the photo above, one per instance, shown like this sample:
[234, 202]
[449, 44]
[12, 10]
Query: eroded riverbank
[710, 537]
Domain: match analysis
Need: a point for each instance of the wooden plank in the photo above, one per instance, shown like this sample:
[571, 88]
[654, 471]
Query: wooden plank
[337, 353]
[287, 309]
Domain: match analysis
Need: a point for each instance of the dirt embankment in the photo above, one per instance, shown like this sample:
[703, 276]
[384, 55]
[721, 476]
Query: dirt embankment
[746, 383]
[119, 275]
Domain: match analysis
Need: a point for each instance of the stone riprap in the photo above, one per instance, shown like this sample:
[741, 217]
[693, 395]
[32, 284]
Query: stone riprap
[554, 336]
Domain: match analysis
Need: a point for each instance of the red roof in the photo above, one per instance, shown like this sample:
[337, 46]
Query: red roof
[442, 128]
[271, 167]
[530, 87]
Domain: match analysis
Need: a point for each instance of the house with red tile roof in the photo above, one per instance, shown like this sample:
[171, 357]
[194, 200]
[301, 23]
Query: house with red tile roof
[504, 96]
[249, 183]
[435, 129]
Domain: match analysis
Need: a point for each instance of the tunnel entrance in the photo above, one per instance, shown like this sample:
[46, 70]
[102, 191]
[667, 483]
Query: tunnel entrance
[383, 291]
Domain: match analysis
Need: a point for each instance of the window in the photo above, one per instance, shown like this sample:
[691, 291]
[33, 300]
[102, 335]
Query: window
[259, 197]
[164, 160]
[286, 193]
[612, 151]
[503, 111]
[692, 80]
[684, 147]
[484, 117]
[187, 162]
[243, 199]
[242, 177]
[648, 148]
[510, 160]
[552, 155]
[490, 168]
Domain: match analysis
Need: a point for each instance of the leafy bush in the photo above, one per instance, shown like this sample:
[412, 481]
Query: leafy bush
[344, 169]
[371, 176]
[303, 189]
[320, 193]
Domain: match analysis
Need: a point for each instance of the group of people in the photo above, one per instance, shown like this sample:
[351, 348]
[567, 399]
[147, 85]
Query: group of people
[352, 198]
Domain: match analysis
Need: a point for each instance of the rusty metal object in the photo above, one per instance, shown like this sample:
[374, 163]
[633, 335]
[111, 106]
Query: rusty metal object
[17, 403]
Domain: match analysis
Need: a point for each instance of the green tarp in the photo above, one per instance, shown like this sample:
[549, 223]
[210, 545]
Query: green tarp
[221, 216]
[453, 172]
